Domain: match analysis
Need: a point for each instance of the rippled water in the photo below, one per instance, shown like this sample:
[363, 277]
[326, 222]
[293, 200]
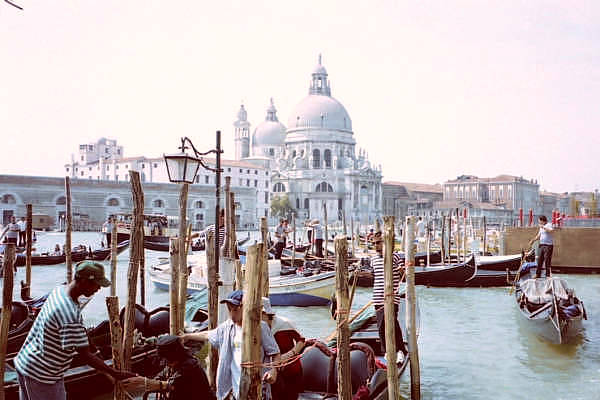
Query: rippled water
[472, 345]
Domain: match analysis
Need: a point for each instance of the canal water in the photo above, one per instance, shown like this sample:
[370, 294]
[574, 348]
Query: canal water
[471, 345]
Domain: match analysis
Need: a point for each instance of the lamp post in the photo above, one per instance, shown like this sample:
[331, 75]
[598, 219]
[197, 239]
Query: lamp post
[183, 167]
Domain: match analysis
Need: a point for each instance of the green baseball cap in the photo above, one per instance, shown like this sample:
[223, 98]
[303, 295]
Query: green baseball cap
[93, 271]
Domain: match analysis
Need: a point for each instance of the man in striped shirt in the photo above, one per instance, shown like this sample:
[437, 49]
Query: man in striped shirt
[377, 263]
[57, 335]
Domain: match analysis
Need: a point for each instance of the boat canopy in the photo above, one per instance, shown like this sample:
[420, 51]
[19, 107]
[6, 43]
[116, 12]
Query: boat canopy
[539, 291]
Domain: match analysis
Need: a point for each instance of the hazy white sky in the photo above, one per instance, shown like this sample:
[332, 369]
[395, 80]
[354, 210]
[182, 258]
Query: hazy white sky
[435, 89]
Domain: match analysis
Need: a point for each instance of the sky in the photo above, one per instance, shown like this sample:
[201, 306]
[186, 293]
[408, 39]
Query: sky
[435, 89]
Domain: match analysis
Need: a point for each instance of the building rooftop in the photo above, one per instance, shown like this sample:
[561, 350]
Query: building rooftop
[417, 187]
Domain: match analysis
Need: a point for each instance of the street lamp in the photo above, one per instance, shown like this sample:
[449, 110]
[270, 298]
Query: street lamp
[183, 167]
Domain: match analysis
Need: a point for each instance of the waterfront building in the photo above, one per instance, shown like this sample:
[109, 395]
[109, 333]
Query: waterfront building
[94, 200]
[104, 160]
[401, 199]
[314, 160]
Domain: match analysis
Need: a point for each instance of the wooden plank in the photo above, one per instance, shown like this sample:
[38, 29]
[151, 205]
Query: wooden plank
[250, 383]
[344, 383]
[7, 295]
[116, 334]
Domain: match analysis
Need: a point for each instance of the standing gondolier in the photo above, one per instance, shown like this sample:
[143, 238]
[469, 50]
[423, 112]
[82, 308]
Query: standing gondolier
[281, 234]
[544, 235]
[57, 335]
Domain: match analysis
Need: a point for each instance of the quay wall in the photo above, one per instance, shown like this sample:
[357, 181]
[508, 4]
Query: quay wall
[573, 246]
[92, 200]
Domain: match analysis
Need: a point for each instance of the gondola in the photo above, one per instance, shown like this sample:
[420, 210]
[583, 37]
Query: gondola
[76, 256]
[81, 380]
[502, 263]
[367, 361]
[548, 306]
[104, 254]
[453, 275]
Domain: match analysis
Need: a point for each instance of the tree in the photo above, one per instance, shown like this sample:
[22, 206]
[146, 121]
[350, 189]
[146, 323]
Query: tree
[281, 206]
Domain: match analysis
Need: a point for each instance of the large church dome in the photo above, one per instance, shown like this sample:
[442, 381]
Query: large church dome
[319, 109]
[270, 132]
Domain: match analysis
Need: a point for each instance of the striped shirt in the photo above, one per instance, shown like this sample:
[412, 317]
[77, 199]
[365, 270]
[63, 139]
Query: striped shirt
[53, 339]
[379, 278]
[211, 228]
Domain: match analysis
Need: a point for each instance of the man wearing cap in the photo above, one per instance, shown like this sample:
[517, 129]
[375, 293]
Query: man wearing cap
[281, 234]
[57, 335]
[188, 381]
[289, 383]
[227, 338]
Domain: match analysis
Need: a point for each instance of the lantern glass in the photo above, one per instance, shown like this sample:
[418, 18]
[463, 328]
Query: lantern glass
[181, 167]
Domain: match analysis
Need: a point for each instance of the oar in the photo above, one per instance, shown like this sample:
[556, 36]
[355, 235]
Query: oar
[518, 275]
[3, 232]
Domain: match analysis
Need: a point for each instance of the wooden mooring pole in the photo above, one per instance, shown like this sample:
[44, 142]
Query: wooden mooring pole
[443, 241]
[7, 294]
[484, 236]
[390, 315]
[183, 266]
[250, 383]
[293, 239]
[326, 232]
[464, 243]
[449, 237]
[26, 293]
[213, 304]
[344, 384]
[411, 308]
[264, 286]
[113, 260]
[135, 247]
[174, 250]
[352, 234]
[116, 337]
[69, 227]
[458, 244]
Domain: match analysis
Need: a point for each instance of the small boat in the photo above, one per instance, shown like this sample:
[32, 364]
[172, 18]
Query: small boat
[104, 254]
[502, 263]
[548, 306]
[21, 320]
[453, 275]
[289, 290]
[47, 259]
[368, 362]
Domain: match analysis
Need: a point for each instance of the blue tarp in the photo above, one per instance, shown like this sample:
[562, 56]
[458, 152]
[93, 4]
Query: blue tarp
[196, 301]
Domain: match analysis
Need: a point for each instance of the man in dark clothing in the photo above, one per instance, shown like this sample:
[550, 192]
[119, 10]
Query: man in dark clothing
[188, 381]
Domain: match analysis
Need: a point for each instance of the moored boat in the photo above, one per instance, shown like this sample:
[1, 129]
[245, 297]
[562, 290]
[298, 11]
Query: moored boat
[104, 254]
[548, 306]
[76, 256]
[502, 263]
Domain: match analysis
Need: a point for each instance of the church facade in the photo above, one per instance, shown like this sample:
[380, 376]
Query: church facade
[314, 160]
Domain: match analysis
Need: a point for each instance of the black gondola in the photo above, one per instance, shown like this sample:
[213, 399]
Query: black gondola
[104, 254]
[502, 263]
[548, 306]
[76, 256]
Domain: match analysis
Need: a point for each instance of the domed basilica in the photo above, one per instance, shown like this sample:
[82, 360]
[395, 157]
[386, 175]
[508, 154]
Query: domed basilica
[314, 160]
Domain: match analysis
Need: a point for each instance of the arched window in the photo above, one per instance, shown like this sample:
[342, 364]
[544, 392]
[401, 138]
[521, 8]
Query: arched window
[306, 204]
[324, 187]
[199, 204]
[158, 203]
[294, 154]
[8, 199]
[199, 217]
[61, 201]
[297, 203]
[327, 158]
[112, 202]
[316, 158]
[279, 187]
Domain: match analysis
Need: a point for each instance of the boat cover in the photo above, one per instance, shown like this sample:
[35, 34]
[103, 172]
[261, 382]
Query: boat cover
[195, 302]
[539, 291]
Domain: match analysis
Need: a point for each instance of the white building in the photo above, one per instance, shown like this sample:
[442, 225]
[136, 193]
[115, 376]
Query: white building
[104, 161]
[314, 160]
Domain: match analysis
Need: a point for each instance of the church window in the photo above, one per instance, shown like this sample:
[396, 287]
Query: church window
[199, 217]
[256, 183]
[206, 179]
[324, 187]
[81, 173]
[61, 201]
[316, 158]
[113, 202]
[327, 158]
[266, 199]
[297, 203]
[271, 151]
[266, 184]
[279, 187]
[199, 204]
[340, 206]
[8, 199]
[294, 154]
[306, 203]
